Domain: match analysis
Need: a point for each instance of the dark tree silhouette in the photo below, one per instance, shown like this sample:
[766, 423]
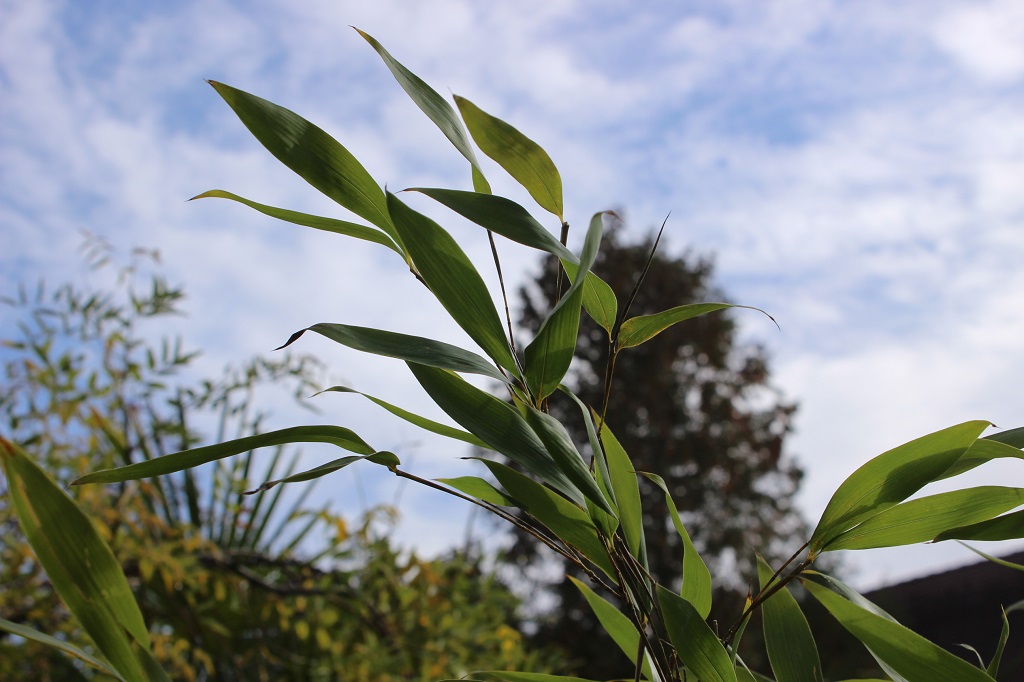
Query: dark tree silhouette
[694, 405]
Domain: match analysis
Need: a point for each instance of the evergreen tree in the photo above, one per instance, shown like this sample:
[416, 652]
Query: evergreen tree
[694, 404]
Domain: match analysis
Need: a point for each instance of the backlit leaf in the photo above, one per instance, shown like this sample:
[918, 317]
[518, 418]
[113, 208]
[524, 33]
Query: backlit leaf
[598, 298]
[696, 645]
[909, 654]
[616, 624]
[1006, 527]
[384, 458]
[892, 477]
[637, 330]
[404, 347]
[521, 157]
[451, 277]
[923, 519]
[186, 459]
[341, 227]
[627, 493]
[476, 487]
[791, 648]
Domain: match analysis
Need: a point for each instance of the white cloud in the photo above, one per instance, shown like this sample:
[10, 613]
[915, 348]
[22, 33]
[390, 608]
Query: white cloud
[986, 38]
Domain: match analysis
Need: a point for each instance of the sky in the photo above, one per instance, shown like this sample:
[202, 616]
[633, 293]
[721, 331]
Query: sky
[855, 169]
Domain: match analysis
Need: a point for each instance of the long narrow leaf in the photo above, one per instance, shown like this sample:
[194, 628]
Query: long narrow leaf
[478, 488]
[696, 576]
[637, 330]
[696, 645]
[627, 493]
[550, 353]
[404, 347]
[923, 519]
[1006, 527]
[911, 655]
[413, 418]
[67, 648]
[791, 648]
[80, 565]
[892, 477]
[995, 560]
[494, 422]
[312, 154]
[430, 103]
[521, 157]
[341, 227]
[616, 624]
[186, 459]
[384, 458]
[565, 520]
[993, 666]
[981, 451]
[598, 298]
[451, 277]
[561, 448]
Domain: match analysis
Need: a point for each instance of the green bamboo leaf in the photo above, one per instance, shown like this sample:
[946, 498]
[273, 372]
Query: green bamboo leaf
[550, 353]
[995, 560]
[791, 648]
[598, 298]
[79, 564]
[561, 448]
[496, 423]
[521, 157]
[341, 227]
[696, 645]
[66, 647]
[187, 459]
[637, 330]
[404, 347]
[413, 418]
[1006, 527]
[501, 216]
[616, 624]
[696, 576]
[1012, 437]
[384, 458]
[923, 519]
[892, 477]
[568, 522]
[478, 488]
[627, 493]
[1004, 635]
[909, 654]
[606, 522]
[432, 104]
[451, 277]
[981, 451]
[312, 154]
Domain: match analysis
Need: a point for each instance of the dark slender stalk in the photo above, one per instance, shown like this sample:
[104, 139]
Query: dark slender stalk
[641, 642]
[504, 298]
[771, 589]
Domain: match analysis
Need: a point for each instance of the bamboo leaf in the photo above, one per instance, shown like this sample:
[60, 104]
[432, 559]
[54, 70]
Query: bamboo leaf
[404, 347]
[616, 624]
[892, 477]
[696, 576]
[627, 493]
[478, 488]
[312, 154]
[995, 560]
[923, 519]
[521, 157]
[909, 654]
[79, 564]
[561, 448]
[598, 298]
[496, 423]
[501, 216]
[70, 649]
[637, 330]
[696, 645]
[566, 521]
[1012, 437]
[791, 648]
[432, 104]
[451, 277]
[341, 227]
[550, 353]
[981, 451]
[187, 459]
[413, 418]
[1004, 635]
[1006, 527]
[384, 458]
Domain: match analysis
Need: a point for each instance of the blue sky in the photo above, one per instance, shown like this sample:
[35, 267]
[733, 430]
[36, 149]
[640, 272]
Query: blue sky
[855, 168]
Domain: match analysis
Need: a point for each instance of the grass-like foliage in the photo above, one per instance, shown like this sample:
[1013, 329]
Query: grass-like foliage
[579, 499]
